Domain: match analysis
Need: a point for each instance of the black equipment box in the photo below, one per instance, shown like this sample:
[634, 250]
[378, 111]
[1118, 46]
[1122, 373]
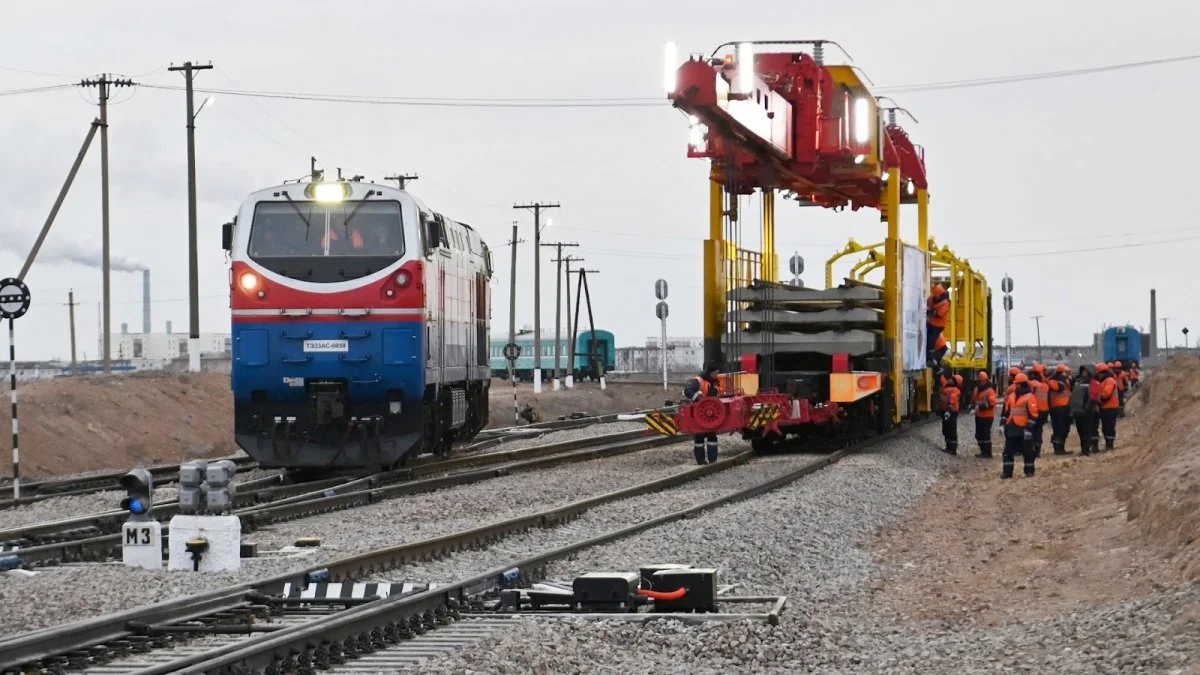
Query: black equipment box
[606, 591]
[701, 585]
[647, 573]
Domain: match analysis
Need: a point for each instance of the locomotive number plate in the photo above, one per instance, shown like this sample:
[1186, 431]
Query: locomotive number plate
[326, 345]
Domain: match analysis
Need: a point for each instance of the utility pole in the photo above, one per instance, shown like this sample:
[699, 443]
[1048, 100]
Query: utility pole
[71, 313]
[570, 350]
[189, 75]
[1038, 321]
[558, 310]
[1166, 337]
[103, 83]
[512, 297]
[402, 180]
[583, 290]
[537, 207]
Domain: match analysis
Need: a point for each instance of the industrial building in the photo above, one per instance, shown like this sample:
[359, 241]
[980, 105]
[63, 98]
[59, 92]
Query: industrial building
[684, 355]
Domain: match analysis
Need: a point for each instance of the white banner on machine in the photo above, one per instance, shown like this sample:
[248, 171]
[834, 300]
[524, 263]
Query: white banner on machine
[912, 307]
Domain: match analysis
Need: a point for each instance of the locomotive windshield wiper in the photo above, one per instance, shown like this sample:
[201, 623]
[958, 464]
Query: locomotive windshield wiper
[307, 223]
[346, 222]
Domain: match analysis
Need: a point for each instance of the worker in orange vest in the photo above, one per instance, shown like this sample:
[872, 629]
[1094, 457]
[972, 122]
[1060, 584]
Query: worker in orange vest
[937, 307]
[1020, 415]
[939, 351]
[704, 446]
[1110, 404]
[1060, 408]
[1037, 383]
[949, 404]
[1135, 375]
[1122, 376]
[983, 403]
[355, 237]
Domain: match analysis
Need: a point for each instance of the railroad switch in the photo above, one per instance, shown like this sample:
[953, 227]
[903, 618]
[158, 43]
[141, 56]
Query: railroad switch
[700, 586]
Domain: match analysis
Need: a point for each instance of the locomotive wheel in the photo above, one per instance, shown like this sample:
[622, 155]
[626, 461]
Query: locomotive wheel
[710, 413]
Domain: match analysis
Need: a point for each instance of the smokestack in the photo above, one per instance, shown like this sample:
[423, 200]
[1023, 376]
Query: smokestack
[124, 328]
[168, 328]
[1153, 346]
[146, 301]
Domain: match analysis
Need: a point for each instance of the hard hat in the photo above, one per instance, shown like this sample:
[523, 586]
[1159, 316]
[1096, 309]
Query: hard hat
[1020, 379]
[1012, 372]
[1062, 368]
[958, 379]
[1101, 367]
[1039, 368]
[982, 376]
[938, 289]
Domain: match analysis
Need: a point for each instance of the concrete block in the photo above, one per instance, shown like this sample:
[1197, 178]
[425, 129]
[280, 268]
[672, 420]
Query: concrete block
[141, 544]
[224, 537]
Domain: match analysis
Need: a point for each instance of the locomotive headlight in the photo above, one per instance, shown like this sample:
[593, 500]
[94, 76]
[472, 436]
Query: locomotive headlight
[248, 281]
[402, 279]
[330, 192]
[862, 127]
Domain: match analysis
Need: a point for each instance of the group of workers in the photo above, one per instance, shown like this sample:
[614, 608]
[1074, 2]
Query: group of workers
[1094, 398]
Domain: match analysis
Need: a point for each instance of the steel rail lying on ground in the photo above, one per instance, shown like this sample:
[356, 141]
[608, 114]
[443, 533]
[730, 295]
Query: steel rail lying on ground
[388, 619]
[362, 492]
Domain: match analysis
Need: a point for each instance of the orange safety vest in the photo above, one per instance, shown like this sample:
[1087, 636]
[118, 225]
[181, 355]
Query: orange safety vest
[1020, 410]
[1060, 393]
[1041, 392]
[705, 385]
[1135, 374]
[950, 398]
[1123, 379]
[1108, 394]
[984, 399]
[356, 239]
[940, 309]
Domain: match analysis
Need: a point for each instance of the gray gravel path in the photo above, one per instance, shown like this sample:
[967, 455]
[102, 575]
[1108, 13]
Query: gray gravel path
[89, 590]
[805, 541]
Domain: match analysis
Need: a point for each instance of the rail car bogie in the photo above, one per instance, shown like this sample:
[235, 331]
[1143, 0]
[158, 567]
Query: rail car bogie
[360, 319]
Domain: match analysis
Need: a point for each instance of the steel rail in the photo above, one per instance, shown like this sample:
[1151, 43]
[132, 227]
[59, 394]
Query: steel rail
[394, 615]
[362, 492]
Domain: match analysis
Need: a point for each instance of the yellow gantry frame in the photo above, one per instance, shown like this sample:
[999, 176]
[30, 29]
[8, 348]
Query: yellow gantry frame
[727, 267]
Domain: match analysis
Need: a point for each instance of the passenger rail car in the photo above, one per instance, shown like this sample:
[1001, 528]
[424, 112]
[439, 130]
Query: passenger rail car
[360, 324]
[1122, 343]
[595, 355]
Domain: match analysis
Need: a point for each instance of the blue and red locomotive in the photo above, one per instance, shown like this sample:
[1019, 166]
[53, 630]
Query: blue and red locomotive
[360, 326]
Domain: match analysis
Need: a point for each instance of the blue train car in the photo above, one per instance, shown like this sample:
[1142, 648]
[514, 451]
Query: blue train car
[595, 354]
[1122, 343]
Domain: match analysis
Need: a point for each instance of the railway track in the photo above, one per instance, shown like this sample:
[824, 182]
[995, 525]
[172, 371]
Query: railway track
[101, 482]
[263, 627]
[167, 474]
[96, 536]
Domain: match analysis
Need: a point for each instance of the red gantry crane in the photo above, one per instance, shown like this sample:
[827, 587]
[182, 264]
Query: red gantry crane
[771, 118]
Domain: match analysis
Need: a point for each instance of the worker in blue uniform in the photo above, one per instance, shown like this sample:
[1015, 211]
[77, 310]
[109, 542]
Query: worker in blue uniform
[704, 446]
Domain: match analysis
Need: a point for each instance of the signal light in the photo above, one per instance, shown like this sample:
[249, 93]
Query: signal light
[139, 501]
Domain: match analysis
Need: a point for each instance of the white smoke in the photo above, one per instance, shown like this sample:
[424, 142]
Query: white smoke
[79, 251]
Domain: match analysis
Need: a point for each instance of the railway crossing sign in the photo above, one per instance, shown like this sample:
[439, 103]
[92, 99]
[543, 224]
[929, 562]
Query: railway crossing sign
[662, 423]
[14, 298]
[512, 351]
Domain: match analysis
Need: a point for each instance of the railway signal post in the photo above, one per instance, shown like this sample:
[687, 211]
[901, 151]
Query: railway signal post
[1006, 285]
[512, 352]
[661, 310]
[141, 535]
[14, 302]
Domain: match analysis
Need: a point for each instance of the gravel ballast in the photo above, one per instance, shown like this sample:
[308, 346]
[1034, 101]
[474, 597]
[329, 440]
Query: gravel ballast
[806, 541]
[79, 505]
[88, 590]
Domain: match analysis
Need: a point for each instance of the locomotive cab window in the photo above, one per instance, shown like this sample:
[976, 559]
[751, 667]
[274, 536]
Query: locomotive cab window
[309, 241]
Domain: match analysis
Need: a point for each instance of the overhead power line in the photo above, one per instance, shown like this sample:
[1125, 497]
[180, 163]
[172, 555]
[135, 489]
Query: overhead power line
[1008, 79]
[36, 90]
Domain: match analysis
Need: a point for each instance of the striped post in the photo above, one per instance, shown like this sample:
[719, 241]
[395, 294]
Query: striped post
[516, 407]
[12, 383]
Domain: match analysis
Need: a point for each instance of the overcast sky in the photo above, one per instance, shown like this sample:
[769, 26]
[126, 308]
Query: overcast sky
[1028, 178]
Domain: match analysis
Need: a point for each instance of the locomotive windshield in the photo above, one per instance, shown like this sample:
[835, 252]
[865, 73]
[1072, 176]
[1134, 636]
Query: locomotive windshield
[311, 241]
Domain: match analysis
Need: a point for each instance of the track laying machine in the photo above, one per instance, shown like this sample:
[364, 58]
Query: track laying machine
[774, 118]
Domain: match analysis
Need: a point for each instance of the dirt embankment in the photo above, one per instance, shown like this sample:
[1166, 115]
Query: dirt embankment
[72, 425]
[1084, 530]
